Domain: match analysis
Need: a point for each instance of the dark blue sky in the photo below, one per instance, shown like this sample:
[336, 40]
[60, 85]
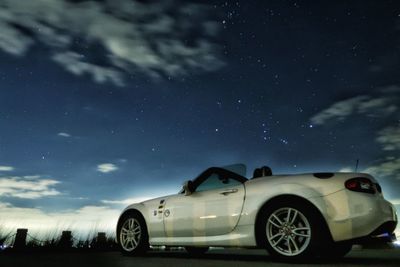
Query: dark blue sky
[110, 100]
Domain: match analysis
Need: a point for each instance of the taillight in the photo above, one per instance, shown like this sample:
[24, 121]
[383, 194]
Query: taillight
[361, 184]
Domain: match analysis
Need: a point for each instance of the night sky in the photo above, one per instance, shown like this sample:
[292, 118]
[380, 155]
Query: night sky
[107, 102]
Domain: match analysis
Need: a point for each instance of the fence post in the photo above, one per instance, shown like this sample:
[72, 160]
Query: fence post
[65, 240]
[101, 241]
[20, 238]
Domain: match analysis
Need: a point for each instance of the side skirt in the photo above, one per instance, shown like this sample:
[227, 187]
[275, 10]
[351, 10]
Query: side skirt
[242, 236]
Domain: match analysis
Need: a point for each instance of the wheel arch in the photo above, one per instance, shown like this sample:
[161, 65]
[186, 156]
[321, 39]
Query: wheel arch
[287, 197]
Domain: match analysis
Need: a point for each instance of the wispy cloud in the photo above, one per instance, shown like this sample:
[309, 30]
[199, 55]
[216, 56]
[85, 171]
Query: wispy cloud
[160, 38]
[395, 201]
[62, 134]
[6, 168]
[364, 105]
[106, 167]
[389, 138]
[339, 110]
[73, 62]
[28, 187]
[388, 168]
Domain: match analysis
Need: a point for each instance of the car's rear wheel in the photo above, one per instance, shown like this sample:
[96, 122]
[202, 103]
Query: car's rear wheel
[196, 251]
[291, 229]
[132, 234]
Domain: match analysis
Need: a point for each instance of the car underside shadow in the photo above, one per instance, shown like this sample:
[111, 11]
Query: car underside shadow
[213, 255]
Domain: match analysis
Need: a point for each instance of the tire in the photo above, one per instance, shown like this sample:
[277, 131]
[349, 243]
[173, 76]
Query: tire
[291, 229]
[132, 235]
[196, 251]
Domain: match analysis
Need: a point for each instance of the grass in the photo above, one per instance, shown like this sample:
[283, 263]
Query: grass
[5, 238]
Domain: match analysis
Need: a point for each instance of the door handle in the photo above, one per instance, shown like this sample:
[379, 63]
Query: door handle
[229, 191]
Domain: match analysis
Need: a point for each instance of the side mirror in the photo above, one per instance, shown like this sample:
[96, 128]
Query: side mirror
[188, 188]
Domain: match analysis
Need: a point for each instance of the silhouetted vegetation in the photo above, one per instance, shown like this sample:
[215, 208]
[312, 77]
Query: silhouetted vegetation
[23, 241]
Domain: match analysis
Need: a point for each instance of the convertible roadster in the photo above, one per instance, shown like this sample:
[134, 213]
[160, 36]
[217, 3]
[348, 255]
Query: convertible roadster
[291, 216]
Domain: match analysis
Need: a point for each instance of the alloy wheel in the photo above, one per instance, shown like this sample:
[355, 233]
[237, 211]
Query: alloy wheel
[130, 234]
[288, 231]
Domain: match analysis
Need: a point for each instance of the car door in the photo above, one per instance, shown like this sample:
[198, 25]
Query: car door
[214, 208]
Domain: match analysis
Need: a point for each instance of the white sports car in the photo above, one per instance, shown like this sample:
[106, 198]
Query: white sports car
[292, 216]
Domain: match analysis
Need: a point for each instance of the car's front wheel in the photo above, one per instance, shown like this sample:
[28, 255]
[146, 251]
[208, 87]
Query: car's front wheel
[132, 234]
[291, 230]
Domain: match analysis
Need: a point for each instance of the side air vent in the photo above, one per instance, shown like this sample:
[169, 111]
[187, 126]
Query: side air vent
[324, 175]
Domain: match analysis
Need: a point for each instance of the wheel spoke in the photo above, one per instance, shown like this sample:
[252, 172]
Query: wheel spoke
[125, 242]
[277, 219]
[274, 224]
[275, 236]
[136, 230]
[135, 242]
[301, 229]
[288, 215]
[294, 217]
[294, 243]
[303, 235]
[295, 231]
[288, 245]
[277, 242]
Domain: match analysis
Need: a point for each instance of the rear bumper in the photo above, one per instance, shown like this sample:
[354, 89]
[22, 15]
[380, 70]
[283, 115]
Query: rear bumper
[383, 234]
[354, 215]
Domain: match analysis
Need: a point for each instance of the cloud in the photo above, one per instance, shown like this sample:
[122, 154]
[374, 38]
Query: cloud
[107, 167]
[6, 168]
[395, 201]
[377, 107]
[389, 168]
[81, 221]
[27, 187]
[72, 62]
[389, 138]
[339, 110]
[64, 134]
[112, 39]
[391, 89]
[364, 104]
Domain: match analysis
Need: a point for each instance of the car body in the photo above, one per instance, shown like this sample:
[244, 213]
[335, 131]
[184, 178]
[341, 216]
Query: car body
[292, 216]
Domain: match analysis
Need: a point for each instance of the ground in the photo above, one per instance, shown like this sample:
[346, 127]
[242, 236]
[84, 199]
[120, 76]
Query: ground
[220, 258]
